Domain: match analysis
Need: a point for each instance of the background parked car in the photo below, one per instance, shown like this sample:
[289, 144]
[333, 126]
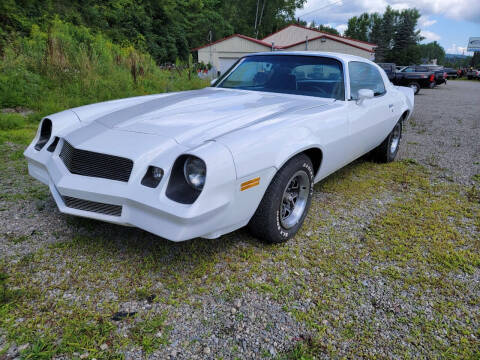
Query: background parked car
[451, 73]
[473, 74]
[440, 74]
[409, 76]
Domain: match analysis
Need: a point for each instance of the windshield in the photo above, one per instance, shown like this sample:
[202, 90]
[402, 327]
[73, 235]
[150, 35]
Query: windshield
[288, 74]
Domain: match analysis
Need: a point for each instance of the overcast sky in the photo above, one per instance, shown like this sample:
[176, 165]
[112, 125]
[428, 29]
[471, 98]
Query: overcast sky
[450, 22]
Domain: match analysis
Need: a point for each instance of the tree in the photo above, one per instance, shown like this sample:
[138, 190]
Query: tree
[432, 51]
[324, 28]
[475, 61]
[358, 27]
[394, 32]
[377, 37]
[387, 33]
[167, 29]
[405, 49]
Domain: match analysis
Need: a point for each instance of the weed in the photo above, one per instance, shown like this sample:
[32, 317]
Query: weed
[151, 333]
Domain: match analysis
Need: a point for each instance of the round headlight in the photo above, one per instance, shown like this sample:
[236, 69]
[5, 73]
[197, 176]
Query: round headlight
[195, 172]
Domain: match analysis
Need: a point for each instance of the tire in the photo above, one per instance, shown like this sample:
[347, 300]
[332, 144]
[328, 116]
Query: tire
[388, 149]
[270, 222]
[432, 85]
[415, 87]
[469, 77]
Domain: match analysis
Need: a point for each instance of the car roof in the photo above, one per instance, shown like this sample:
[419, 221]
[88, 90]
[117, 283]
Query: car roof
[338, 56]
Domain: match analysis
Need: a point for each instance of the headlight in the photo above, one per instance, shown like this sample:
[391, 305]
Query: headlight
[187, 179]
[45, 133]
[195, 172]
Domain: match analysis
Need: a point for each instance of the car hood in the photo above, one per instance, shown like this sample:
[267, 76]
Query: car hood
[193, 117]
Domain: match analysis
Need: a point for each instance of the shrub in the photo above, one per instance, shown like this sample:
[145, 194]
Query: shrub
[66, 65]
[11, 121]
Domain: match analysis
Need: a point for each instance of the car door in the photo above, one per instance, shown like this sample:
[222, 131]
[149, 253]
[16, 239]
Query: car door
[369, 119]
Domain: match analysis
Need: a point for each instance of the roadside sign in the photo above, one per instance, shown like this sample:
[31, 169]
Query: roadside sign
[473, 44]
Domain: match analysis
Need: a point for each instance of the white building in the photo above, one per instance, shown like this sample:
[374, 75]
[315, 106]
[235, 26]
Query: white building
[224, 52]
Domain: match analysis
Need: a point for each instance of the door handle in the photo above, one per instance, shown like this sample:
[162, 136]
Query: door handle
[390, 106]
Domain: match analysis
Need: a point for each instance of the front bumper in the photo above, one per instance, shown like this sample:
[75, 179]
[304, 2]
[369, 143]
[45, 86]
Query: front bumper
[219, 209]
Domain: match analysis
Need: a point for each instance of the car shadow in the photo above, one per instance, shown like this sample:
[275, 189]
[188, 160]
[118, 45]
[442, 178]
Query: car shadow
[135, 238]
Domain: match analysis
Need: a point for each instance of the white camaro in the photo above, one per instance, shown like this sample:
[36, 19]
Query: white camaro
[245, 151]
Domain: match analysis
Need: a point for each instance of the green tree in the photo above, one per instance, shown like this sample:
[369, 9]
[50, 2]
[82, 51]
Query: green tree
[431, 51]
[475, 60]
[326, 29]
[405, 48]
[167, 29]
[359, 27]
[394, 32]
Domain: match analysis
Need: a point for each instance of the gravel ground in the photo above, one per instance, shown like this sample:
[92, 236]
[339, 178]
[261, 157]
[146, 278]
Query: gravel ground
[344, 287]
[445, 130]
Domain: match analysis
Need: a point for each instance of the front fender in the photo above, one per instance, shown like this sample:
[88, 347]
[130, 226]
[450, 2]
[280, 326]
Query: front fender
[260, 147]
[263, 146]
[62, 123]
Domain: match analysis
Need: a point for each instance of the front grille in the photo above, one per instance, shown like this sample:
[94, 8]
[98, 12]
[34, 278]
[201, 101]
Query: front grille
[88, 163]
[86, 205]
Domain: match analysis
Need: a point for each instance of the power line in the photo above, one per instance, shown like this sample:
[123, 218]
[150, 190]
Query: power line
[323, 7]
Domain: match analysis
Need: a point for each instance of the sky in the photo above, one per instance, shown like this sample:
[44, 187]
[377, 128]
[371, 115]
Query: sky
[449, 22]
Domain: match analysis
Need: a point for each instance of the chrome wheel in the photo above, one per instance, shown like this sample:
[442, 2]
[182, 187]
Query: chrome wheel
[395, 140]
[294, 200]
[414, 88]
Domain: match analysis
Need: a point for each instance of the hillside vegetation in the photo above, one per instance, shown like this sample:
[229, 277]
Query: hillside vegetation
[167, 29]
[68, 66]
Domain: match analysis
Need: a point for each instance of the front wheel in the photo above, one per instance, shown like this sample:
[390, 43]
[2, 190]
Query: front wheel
[285, 203]
[415, 87]
[388, 149]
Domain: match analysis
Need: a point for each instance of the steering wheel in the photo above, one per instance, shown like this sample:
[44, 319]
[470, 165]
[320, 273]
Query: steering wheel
[321, 90]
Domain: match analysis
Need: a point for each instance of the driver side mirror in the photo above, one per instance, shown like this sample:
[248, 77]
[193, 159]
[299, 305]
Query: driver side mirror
[213, 81]
[364, 94]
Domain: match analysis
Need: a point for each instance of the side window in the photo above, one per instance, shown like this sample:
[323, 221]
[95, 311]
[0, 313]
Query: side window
[408, 69]
[364, 76]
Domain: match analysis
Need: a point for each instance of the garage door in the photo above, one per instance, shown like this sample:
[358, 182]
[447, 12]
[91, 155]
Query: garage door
[226, 63]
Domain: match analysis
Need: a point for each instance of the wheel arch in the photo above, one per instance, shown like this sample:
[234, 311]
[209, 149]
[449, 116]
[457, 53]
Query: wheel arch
[316, 156]
[314, 153]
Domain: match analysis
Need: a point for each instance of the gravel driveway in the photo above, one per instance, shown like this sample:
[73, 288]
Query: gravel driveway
[445, 131]
[387, 265]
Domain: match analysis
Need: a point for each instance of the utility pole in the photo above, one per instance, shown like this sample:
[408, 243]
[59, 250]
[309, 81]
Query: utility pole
[256, 18]
[260, 19]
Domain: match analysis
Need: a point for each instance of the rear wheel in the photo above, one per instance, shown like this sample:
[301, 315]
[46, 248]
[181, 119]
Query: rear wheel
[286, 202]
[388, 149]
[415, 87]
